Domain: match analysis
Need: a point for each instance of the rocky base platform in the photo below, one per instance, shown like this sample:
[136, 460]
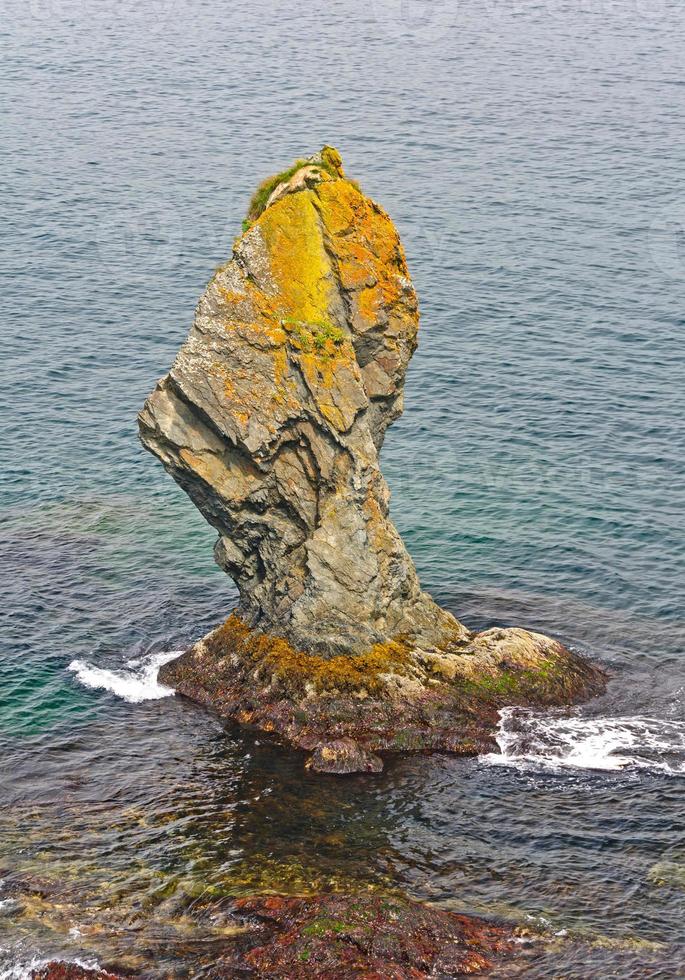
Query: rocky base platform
[346, 711]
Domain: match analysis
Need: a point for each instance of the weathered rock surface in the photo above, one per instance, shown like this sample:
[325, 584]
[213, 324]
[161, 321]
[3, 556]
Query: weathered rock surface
[271, 419]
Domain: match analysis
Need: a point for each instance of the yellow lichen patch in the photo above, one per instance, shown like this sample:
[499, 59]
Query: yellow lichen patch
[298, 671]
[356, 265]
[229, 389]
[265, 332]
[280, 367]
[299, 264]
[369, 302]
[341, 205]
[335, 385]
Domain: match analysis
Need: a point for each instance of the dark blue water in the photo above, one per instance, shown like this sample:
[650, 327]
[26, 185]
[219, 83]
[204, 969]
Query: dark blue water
[531, 155]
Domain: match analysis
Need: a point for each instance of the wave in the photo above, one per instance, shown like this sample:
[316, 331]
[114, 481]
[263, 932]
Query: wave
[138, 682]
[533, 739]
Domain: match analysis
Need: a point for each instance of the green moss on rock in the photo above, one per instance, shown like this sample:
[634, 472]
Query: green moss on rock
[258, 201]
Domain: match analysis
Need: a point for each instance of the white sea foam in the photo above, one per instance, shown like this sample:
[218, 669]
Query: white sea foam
[137, 682]
[23, 970]
[534, 739]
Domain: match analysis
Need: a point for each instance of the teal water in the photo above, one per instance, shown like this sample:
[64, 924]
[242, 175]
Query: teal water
[531, 155]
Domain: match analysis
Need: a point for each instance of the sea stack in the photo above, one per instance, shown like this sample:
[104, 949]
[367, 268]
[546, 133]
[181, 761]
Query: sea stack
[271, 419]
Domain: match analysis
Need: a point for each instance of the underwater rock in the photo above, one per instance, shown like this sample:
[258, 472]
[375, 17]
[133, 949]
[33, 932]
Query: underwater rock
[63, 970]
[271, 419]
[342, 756]
[345, 936]
[669, 874]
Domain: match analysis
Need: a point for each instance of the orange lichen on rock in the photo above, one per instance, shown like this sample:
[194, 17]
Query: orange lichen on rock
[371, 263]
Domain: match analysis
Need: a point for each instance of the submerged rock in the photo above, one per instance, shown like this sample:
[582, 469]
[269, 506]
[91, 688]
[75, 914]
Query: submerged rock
[271, 419]
[341, 756]
[64, 970]
[389, 937]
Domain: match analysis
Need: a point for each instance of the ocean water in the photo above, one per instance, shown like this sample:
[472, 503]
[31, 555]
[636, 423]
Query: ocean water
[531, 154]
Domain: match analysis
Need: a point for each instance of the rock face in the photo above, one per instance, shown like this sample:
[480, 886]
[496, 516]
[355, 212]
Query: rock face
[271, 419]
[275, 409]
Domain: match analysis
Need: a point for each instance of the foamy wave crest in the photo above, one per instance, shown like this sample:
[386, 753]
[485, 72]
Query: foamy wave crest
[138, 682]
[533, 739]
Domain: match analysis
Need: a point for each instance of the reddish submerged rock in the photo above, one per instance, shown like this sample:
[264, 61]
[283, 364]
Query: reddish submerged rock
[373, 936]
[62, 970]
[341, 756]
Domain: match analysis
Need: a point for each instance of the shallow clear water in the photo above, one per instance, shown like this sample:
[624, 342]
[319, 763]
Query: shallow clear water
[531, 155]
